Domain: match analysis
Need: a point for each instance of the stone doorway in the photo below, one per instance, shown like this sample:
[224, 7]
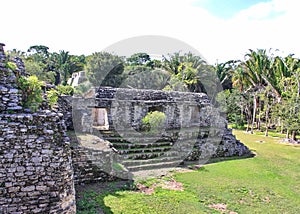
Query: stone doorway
[100, 118]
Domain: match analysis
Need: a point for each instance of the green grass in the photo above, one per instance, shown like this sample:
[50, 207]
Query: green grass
[267, 183]
[271, 132]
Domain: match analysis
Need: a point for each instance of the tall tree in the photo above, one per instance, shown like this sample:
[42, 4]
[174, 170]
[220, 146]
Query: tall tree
[256, 64]
[139, 59]
[105, 69]
[190, 70]
[225, 71]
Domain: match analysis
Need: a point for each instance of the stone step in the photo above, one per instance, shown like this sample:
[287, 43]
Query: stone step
[160, 165]
[134, 133]
[138, 139]
[140, 145]
[130, 162]
[144, 150]
[149, 155]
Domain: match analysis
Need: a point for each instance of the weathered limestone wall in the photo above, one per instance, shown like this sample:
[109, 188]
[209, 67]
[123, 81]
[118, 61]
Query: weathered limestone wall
[93, 165]
[35, 164]
[185, 111]
[194, 130]
[36, 174]
[126, 108]
[65, 107]
[9, 96]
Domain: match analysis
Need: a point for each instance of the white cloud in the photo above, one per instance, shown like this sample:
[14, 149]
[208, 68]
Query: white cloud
[260, 11]
[260, 29]
[92, 25]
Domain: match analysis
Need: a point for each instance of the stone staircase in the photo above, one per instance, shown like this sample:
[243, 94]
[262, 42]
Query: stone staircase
[143, 152]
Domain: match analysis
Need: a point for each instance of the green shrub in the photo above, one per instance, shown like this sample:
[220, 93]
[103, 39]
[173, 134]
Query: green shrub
[83, 88]
[65, 89]
[32, 93]
[11, 65]
[238, 121]
[52, 96]
[154, 121]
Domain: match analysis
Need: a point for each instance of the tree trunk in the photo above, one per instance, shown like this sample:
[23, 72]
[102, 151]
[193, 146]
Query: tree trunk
[267, 121]
[287, 134]
[298, 83]
[258, 122]
[293, 135]
[65, 78]
[254, 112]
[57, 78]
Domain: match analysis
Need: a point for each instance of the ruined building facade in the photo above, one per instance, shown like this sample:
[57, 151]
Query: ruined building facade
[193, 129]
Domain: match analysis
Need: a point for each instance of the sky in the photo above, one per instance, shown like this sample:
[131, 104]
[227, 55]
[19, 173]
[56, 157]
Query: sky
[220, 30]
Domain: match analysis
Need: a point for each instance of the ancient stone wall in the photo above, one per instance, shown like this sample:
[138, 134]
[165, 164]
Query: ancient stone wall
[36, 174]
[90, 165]
[95, 165]
[65, 107]
[193, 130]
[92, 159]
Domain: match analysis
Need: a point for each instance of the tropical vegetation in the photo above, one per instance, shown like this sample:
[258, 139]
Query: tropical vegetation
[260, 92]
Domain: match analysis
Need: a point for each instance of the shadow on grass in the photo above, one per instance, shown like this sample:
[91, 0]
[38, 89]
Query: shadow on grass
[90, 197]
[220, 159]
[189, 164]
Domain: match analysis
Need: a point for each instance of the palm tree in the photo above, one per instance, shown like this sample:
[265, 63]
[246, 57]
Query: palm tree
[293, 65]
[225, 71]
[187, 68]
[255, 65]
[240, 78]
[60, 61]
[65, 64]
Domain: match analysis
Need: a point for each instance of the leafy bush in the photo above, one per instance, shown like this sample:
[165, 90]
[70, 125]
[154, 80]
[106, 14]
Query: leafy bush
[11, 65]
[154, 121]
[65, 90]
[32, 93]
[83, 88]
[38, 69]
[238, 121]
[52, 96]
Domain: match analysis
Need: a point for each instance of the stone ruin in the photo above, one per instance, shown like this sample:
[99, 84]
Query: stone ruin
[36, 174]
[193, 131]
[77, 78]
[39, 167]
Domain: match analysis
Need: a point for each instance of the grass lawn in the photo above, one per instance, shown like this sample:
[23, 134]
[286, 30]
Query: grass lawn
[267, 183]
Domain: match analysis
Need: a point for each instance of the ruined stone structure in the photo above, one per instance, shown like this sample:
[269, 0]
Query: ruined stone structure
[36, 174]
[38, 166]
[193, 129]
[77, 78]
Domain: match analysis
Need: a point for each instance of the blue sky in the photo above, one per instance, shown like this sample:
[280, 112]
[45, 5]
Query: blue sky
[220, 30]
[226, 8]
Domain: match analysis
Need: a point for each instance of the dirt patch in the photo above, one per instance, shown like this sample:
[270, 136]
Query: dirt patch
[222, 208]
[144, 189]
[165, 184]
[172, 185]
[155, 173]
